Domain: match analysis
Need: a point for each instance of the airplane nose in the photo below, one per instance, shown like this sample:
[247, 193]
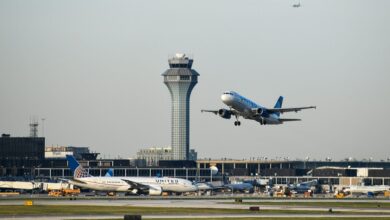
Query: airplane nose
[227, 99]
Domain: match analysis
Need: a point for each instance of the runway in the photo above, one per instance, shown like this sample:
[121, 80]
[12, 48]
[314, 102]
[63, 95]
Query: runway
[209, 204]
[218, 204]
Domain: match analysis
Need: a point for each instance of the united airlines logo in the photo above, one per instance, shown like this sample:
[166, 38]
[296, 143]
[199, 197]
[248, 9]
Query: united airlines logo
[79, 172]
[167, 181]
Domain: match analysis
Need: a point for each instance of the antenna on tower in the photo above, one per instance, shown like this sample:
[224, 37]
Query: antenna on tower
[33, 127]
[43, 126]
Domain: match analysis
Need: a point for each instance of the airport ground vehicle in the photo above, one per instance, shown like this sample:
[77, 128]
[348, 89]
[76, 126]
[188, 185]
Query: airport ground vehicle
[64, 192]
[339, 195]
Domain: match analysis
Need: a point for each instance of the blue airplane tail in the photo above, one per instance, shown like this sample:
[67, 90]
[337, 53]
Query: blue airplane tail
[110, 172]
[278, 104]
[77, 169]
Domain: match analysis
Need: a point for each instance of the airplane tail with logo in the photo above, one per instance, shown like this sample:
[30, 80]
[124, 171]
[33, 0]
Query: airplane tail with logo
[77, 169]
[278, 104]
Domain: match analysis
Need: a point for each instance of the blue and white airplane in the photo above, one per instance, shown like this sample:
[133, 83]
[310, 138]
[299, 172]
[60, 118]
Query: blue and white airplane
[240, 106]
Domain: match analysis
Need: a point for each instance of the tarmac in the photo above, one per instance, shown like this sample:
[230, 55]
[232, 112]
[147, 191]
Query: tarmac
[201, 203]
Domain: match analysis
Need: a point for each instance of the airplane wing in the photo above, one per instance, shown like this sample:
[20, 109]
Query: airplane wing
[76, 181]
[216, 112]
[289, 119]
[135, 185]
[283, 110]
[212, 111]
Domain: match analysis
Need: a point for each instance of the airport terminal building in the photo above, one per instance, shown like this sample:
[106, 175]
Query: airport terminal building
[24, 157]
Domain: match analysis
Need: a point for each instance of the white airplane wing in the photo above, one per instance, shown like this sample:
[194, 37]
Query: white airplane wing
[289, 119]
[75, 181]
[222, 112]
[233, 112]
[283, 110]
[212, 111]
[141, 186]
[136, 185]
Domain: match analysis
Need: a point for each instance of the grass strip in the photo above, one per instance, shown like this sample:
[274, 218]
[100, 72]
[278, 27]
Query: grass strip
[384, 205]
[268, 218]
[19, 210]
[284, 218]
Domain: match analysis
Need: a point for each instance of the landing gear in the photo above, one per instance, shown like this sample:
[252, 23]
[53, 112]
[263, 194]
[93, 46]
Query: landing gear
[237, 122]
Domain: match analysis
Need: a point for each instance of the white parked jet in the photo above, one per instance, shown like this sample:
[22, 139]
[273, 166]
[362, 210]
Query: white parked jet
[367, 189]
[135, 185]
[240, 106]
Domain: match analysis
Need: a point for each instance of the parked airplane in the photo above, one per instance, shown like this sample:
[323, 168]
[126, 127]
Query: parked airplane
[368, 190]
[134, 185]
[241, 106]
[244, 186]
[240, 187]
[303, 186]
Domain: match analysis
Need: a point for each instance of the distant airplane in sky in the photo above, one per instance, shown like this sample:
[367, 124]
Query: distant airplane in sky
[297, 5]
[240, 106]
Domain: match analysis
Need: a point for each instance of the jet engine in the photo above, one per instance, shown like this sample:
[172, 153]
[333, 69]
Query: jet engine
[257, 111]
[224, 113]
[152, 190]
[155, 191]
[134, 191]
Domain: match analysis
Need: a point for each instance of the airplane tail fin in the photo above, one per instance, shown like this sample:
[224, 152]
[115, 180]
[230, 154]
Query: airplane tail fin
[278, 104]
[110, 172]
[77, 169]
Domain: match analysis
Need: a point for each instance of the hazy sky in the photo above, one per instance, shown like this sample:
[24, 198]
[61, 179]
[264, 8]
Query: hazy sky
[93, 70]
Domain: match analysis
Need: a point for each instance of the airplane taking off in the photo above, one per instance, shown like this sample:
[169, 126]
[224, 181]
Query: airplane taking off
[240, 106]
[134, 185]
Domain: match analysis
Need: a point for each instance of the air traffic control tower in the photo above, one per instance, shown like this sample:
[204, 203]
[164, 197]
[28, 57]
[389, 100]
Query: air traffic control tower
[180, 80]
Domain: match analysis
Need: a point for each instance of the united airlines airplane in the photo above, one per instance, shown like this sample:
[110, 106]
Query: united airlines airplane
[134, 185]
[240, 106]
